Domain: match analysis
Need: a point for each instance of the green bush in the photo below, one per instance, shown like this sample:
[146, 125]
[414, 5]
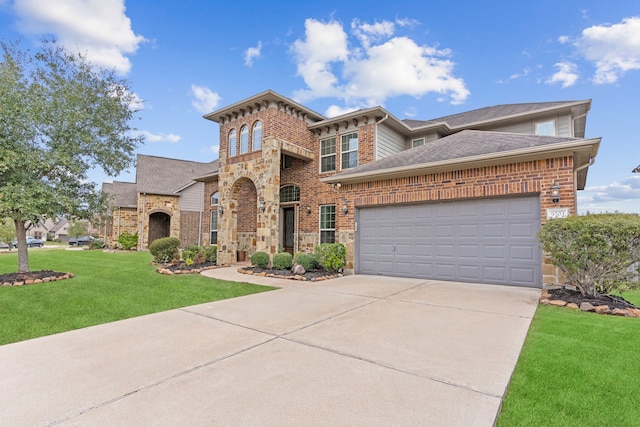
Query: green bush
[282, 261]
[165, 249]
[96, 244]
[128, 240]
[260, 259]
[597, 253]
[190, 252]
[308, 261]
[211, 253]
[332, 256]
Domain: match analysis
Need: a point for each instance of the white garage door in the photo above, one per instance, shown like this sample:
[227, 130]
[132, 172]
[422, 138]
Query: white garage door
[484, 241]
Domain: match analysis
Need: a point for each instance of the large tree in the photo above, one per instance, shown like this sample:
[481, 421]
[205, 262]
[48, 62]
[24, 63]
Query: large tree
[60, 117]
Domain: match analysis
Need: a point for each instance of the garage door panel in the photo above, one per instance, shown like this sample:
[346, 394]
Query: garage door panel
[484, 240]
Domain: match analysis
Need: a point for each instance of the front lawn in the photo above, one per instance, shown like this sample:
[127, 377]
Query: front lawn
[576, 369]
[106, 287]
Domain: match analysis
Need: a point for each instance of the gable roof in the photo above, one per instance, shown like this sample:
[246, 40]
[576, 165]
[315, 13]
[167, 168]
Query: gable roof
[468, 148]
[123, 194]
[162, 175]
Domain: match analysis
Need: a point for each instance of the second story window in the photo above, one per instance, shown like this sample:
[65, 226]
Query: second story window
[349, 149]
[417, 142]
[328, 154]
[233, 139]
[547, 128]
[257, 136]
[244, 139]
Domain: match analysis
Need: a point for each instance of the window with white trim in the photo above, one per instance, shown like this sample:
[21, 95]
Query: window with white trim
[244, 139]
[417, 142]
[547, 128]
[213, 239]
[215, 199]
[256, 139]
[328, 154]
[233, 139]
[328, 224]
[349, 150]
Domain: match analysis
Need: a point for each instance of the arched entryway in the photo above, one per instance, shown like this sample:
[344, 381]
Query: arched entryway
[159, 225]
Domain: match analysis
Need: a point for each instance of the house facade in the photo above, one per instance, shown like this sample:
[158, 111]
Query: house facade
[460, 197]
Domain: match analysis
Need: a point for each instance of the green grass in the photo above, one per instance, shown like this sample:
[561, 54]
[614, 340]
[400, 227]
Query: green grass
[106, 287]
[576, 369]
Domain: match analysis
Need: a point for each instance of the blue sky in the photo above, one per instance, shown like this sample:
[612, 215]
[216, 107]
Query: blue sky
[187, 58]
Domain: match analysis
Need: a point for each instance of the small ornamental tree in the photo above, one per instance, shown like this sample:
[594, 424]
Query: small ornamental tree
[78, 228]
[597, 253]
[332, 256]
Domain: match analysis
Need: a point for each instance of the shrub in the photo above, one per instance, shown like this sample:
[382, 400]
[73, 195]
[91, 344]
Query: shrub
[96, 244]
[308, 261]
[128, 240]
[191, 252]
[282, 261]
[165, 249]
[332, 256]
[597, 253]
[260, 259]
[211, 253]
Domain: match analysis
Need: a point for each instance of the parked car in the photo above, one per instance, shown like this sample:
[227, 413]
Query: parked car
[31, 242]
[4, 245]
[81, 241]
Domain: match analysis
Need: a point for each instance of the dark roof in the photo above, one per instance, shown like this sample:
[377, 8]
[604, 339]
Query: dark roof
[161, 175]
[637, 170]
[490, 113]
[61, 223]
[123, 194]
[464, 144]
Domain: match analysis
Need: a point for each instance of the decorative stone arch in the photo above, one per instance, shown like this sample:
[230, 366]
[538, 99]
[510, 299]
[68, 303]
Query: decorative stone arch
[159, 224]
[265, 176]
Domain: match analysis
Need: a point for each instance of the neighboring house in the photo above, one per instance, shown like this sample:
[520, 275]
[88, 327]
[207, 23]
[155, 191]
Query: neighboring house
[59, 232]
[460, 197]
[49, 229]
[164, 201]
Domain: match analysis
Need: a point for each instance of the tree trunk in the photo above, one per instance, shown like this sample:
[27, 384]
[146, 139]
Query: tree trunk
[23, 254]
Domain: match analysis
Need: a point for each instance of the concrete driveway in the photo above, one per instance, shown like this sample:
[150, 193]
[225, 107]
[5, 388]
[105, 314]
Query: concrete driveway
[354, 351]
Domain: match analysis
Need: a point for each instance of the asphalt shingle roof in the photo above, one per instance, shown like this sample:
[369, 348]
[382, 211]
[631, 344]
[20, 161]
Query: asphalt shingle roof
[123, 194]
[467, 143]
[487, 113]
[161, 175]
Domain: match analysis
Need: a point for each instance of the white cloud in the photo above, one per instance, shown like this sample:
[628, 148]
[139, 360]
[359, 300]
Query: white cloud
[252, 53]
[614, 49]
[566, 74]
[563, 39]
[621, 196]
[204, 99]
[336, 110]
[99, 28]
[160, 137]
[381, 66]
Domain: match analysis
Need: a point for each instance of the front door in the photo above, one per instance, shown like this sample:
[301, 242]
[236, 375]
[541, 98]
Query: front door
[289, 229]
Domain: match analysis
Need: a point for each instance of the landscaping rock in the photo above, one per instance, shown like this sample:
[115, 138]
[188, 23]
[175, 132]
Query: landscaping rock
[573, 305]
[587, 306]
[558, 303]
[298, 270]
[602, 309]
[619, 312]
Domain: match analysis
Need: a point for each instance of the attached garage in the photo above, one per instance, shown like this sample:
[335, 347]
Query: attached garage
[480, 240]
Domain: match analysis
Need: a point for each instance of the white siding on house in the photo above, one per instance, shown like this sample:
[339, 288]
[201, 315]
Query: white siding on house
[191, 198]
[388, 142]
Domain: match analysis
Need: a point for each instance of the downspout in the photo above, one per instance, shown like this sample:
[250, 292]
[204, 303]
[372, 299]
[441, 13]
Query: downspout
[200, 216]
[144, 203]
[592, 160]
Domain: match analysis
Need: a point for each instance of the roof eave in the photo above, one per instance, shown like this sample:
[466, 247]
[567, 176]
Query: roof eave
[530, 153]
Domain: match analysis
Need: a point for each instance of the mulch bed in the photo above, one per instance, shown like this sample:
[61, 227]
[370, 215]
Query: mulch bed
[312, 276]
[601, 304]
[32, 277]
[183, 268]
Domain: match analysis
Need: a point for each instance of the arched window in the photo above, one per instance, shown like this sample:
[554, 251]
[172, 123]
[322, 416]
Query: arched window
[244, 139]
[232, 142]
[289, 193]
[257, 136]
[214, 199]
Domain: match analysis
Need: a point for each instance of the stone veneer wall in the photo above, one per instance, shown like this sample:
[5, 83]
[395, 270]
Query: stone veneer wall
[149, 203]
[124, 219]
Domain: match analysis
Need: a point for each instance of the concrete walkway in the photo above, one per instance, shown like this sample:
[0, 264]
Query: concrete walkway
[354, 351]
